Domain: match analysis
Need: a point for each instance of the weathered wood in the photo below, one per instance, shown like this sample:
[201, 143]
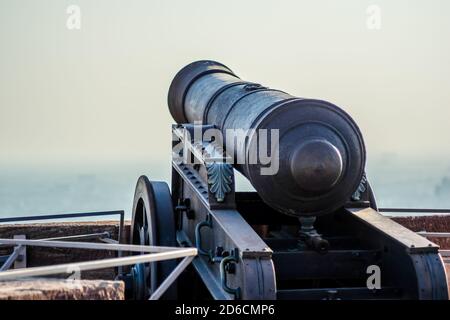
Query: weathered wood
[55, 289]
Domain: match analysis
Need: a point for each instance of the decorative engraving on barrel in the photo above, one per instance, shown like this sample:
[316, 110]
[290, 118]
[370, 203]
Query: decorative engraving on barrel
[361, 189]
[220, 179]
[254, 86]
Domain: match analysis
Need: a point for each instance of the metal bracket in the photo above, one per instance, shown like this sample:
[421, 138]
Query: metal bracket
[309, 235]
[18, 257]
[21, 260]
[411, 241]
[185, 207]
[361, 189]
[198, 236]
[227, 265]
[216, 182]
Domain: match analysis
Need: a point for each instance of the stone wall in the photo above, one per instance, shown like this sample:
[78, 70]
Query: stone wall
[54, 289]
[435, 223]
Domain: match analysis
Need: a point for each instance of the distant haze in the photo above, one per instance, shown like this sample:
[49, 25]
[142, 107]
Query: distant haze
[78, 101]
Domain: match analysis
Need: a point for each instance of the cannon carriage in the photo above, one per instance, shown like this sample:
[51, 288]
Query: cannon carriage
[310, 230]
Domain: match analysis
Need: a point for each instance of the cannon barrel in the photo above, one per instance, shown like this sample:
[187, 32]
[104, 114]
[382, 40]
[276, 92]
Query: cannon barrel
[321, 152]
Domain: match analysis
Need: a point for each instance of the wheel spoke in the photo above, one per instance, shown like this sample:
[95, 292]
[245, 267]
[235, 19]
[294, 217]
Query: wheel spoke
[141, 236]
[136, 232]
[144, 217]
[146, 235]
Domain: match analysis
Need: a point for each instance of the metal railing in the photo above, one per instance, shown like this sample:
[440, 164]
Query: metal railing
[103, 236]
[413, 210]
[121, 214]
[445, 254]
[434, 234]
[148, 254]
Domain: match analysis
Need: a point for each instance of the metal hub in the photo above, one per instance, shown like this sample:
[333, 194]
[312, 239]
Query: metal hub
[316, 165]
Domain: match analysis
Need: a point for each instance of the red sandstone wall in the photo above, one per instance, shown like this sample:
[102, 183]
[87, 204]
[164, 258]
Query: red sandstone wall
[438, 223]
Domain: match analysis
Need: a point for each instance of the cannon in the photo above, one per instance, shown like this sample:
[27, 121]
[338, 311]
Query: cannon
[310, 229]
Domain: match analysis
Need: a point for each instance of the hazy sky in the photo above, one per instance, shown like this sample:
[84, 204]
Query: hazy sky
[98, 94]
